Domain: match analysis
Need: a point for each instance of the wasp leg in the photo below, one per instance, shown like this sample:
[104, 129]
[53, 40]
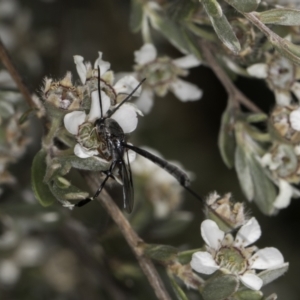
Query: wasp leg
[108, 174]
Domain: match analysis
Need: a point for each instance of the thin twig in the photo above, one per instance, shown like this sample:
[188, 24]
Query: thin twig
[131, 237]
[8, 63]
[234, 93]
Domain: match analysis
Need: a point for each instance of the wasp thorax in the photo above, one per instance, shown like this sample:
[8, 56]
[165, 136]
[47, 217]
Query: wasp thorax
[280, 122]
[160, 73]
[87, 136]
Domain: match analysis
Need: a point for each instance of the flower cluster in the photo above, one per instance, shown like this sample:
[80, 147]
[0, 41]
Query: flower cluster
[162, 74]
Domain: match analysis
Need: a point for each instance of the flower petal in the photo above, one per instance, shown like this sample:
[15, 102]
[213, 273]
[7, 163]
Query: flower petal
[80, 67]
[145, 101]
[185, 91]
[211, 234]
[258, 70]
[204, 263]
[186, 62]
[285, 194]
[248, 233]
[126, 117]
[266, 258]
[295, 119]
[73, 120]
[84, 153]
[103, 65]
[126, 85]
[283, 98]
[251, 281]
[146, 54]
[95, 112]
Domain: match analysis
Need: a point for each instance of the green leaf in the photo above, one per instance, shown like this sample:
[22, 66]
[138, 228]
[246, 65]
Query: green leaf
[245, 6]
[270, 275]
[287, 49]
[243, 173]
[281, 16]
[181, 9]
[264, 188]
[221, 25]
[248, 295]
[64, 190]
[177, 289]
[226, 140]
[170, 29]
[136, 15]
[271, 297]
[220, 287]
[162, 253]
[185, 257]
[41, 190]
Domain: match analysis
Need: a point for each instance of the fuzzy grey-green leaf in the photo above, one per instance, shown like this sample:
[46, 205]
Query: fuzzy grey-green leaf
[136, 15]
[287, 49]
[67, 192]
[177, 289]
[264, 189]
[245, 6]
[221, 25]
[281, 16]
[248, 295]
[243, 172]
[160, 252]
[226, 140]
[185, 257]
[220, 287]
[41, 190]
[270, 275]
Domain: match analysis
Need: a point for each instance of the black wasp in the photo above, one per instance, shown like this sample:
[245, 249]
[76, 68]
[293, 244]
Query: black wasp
[112, 134]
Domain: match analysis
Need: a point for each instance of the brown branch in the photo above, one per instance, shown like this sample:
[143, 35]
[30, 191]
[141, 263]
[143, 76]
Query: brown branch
[8, 63]
[234, 93]
[131, 237]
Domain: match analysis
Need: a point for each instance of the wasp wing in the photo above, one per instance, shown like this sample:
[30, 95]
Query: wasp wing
[126, 175]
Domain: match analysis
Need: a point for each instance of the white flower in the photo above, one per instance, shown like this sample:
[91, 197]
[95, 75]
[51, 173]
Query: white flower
[233, 255]
[282, 161]
[161, 75]
[82, 125]
[282, 77]
[116, 91]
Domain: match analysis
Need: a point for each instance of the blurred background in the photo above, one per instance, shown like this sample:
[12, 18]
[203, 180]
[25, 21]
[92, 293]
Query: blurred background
[54, 253]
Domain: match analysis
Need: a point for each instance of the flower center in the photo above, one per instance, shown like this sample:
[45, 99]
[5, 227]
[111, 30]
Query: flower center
[159, 72]
[87, 136]
[231, 258]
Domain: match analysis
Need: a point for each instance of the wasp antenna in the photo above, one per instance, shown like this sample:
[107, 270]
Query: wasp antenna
[193, 193]
[99, 91]
[126, 99]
